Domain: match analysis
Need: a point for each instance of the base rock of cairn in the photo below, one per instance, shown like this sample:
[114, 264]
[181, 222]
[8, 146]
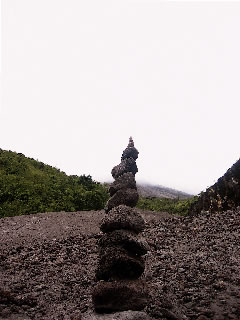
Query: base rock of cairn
[120, 296]
[121, 249]
[124, 315]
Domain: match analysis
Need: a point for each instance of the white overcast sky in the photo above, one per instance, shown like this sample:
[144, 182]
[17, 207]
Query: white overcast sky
[80, 76]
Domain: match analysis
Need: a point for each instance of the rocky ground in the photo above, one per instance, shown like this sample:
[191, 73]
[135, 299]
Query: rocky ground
[48, 262]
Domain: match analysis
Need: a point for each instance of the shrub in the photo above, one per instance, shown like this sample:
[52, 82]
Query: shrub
[176, 206]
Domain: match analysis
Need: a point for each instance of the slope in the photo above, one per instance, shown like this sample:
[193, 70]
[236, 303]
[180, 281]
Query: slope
[223, 195]
[147, 190]
[29, 186]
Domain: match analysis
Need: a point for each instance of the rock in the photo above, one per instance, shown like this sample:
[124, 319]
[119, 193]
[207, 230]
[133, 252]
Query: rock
[131, 142]
[125, 239]
[124, 315]
[223, 195]
[116, 263]
[128, 197]
[120, 296]
[123, 217]
[127, 165]
[130, 152]
[125, 181]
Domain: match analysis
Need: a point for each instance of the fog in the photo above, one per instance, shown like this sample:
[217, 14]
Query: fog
[80, 77]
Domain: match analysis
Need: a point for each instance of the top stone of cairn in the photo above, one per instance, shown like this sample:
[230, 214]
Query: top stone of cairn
[130, 151]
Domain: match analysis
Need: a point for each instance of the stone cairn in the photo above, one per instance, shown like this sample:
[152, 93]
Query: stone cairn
[121, 249]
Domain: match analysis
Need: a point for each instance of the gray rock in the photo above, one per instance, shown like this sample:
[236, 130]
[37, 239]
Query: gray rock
[124, 315]
[122, 217]
[128, 197]
[120, 296]
[127, 165]
[125, 239]
[116, 263]
[130, 152]
[125, 181]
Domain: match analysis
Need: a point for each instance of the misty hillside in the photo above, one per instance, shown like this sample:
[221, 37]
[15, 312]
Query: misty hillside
[155, 191]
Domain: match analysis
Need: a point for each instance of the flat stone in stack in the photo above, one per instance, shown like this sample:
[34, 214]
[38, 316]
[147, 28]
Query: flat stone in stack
[125, 181]
[127, 165]
[126, 240]
[129, 197]
[122, 217]
[116, 263]
[130, 151]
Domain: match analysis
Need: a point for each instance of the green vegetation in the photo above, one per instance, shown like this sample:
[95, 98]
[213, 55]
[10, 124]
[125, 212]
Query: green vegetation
[29, 186]
[177, 206]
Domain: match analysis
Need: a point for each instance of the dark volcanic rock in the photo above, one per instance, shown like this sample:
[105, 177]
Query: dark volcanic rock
[122, 217]
[116, 263]
[130, 152]
[125, 239]
[127, 165]
[123, 315]
[125, 181]
[223, 195]
[128, 197]
[119, 296]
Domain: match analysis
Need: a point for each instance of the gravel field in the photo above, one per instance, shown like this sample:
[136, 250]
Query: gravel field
[48, 262]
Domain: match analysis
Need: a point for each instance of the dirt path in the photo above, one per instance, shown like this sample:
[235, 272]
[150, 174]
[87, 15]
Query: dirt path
[48, 260]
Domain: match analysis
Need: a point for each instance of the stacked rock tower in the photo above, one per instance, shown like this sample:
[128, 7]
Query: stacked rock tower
[121, 249]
